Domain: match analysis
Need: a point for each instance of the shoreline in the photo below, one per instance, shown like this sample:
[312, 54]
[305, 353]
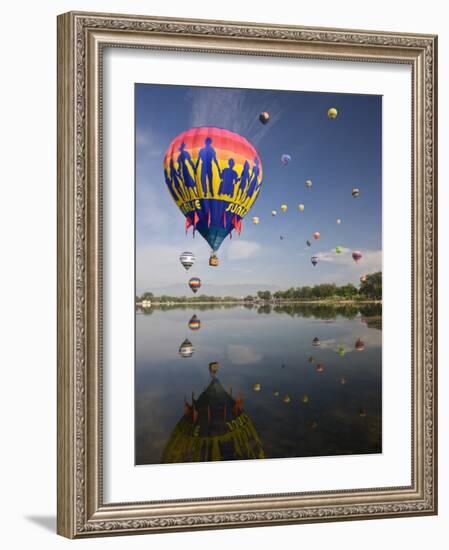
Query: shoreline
[263, 303]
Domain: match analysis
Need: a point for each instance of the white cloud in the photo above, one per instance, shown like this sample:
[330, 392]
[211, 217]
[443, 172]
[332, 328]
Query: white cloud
[243, 355]
[240, 250]
[211, 108]
[371, 259]
[332, 256]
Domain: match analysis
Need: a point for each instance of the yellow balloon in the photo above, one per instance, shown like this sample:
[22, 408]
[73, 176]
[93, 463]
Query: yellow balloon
[284, 208]
[256, 220]
[301, 207]
[332, 112]
[286, 399]
[257, 387]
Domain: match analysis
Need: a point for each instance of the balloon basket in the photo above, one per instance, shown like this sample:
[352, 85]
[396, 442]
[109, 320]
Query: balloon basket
[213, 260]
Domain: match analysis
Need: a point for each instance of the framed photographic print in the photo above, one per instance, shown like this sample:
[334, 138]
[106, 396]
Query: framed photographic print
[246, 274]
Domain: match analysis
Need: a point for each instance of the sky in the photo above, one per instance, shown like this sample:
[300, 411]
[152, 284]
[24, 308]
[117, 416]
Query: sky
[336, 155]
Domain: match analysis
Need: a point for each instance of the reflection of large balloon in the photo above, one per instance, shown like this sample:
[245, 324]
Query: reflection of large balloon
[314, 260]
[214, 426]
[195, 284]
[264, 117]
[356, 256]
[214, 177]
[316, 235]
[187, 259]
[186, 349]
[332, 112]
[194, 323]
[285, 159]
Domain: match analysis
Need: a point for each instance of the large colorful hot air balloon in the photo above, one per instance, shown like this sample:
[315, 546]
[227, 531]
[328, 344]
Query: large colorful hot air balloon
[314, 260]
[195, 284]
[356, 256]
[214, 177]
[285, 159]
[187, 259]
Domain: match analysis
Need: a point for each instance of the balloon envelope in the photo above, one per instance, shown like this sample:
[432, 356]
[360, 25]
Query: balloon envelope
[256, 220]
[316, 235]
[355, 192]
[332, 112]
[314, 260]
[264, 117]
[284, 207]
[285, 158]
[301, 207]
[338, 249]
[194, 284]
[187, 259]
[308, 184]
[214, 176]
[356, 256]
[273, 212]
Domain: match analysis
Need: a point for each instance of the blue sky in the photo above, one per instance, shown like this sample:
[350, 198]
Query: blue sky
[336, 155]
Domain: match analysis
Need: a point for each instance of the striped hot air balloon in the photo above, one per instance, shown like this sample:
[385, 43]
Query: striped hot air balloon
[195, 284]
[186, 349]
[187, 259]
[194, 323]
[214, 176]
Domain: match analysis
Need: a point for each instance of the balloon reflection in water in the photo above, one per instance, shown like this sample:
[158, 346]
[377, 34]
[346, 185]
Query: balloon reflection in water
[286, 399]
[359, 345]
[257, 387]
[213, 427]
[186, 349]
[305, 398]
[194, 323]
[319, 368]
[316, 342]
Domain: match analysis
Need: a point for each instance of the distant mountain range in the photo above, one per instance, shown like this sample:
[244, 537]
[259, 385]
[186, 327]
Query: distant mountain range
[236, 290]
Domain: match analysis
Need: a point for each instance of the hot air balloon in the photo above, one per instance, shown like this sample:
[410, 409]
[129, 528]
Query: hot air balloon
[285, 159]
[301, 207]
[284, 207]
[343, 381]
[316, 342]
[356, 256]
[316, 235]
[256, 220]
[311, 359]
[195, 284]
[194, 323]
[319, 368]
[257, 387]
[332, 112]
[186, 349]
[359, 345]
[276, 393]
[273, 212]
[281, 237]
[314, 260]
[355, 192]
[363, 278]
[187, 259]
[214, 177]
[338, 249]
[286, 399]
[213, 368]
[308, 243]
[308, 184]
[264, 117]
[341, 351]
[304, 398]
[338, 221]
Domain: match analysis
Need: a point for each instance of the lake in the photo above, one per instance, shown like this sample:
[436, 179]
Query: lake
[257, 382]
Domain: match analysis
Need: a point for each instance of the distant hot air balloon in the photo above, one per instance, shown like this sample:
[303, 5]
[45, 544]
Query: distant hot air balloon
[338, 221]
[273, 212]
[363, 278]
[311, 359]
[285, 159]
[308, 243]
[281, 237]
[284, 207]
[214, 176]
[343, 381]
[195, 284]
[186, 349]
[301, 207]
[257, 387]
[355, 192]
[256, 220]
[213, 368]
[314, 260]
[304, 398]
[356, 256]
[187, 259]
[332, 112]
[264, 117]
[341, 351]
[286, 399]
[308, 184]
[338, 249]
[359, 345]
[276, 393]
[316, 235]
[316, 342]
[319, 368]
[194, 323]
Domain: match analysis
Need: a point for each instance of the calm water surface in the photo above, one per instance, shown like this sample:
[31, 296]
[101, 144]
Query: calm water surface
[276, 392]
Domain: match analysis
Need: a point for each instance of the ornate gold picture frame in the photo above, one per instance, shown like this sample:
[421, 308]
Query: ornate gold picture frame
[82, 38]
